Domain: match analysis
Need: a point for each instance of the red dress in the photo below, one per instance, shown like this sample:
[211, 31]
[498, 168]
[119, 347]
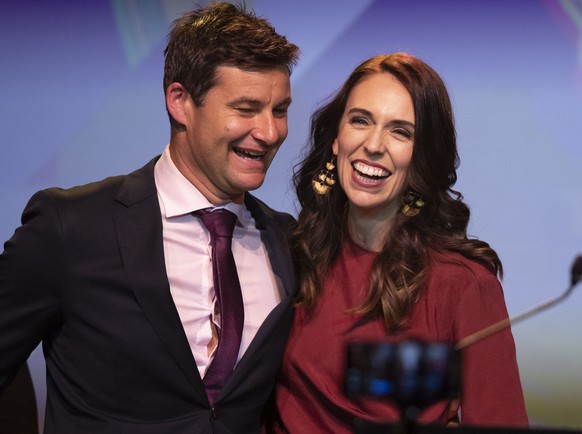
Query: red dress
[460, 297]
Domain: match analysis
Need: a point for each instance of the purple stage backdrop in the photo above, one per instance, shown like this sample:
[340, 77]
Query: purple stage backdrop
[81, 98]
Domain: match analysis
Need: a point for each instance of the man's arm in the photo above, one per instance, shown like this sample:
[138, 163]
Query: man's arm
[18, 405]
[30, 277]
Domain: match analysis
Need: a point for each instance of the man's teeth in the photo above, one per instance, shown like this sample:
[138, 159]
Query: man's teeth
[372, 172]
[251, 155]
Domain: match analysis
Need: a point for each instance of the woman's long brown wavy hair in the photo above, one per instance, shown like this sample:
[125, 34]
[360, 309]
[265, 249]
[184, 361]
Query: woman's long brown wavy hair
[400, 269]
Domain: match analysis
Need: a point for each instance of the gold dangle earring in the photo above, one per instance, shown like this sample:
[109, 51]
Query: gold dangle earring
[323, 182]
[411, 203]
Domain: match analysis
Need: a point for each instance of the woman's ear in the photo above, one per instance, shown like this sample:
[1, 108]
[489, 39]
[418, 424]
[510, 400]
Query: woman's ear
[177, 102]
[334, 147]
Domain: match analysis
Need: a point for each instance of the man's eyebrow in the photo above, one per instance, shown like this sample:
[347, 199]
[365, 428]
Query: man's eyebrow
[257, 102]
[245, 100]
[286, 101]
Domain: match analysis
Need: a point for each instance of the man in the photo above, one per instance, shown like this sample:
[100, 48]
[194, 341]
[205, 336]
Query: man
[18, 405]
[115, 278]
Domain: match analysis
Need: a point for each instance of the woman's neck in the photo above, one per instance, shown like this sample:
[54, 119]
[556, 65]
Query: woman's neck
[368, 231]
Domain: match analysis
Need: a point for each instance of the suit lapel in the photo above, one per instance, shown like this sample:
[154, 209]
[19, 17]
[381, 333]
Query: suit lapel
[139, 231]
[275, 240]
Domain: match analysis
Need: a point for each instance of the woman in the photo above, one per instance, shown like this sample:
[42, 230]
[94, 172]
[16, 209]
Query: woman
[383, 254]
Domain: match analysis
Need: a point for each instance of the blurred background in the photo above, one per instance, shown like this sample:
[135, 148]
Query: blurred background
[81, 98]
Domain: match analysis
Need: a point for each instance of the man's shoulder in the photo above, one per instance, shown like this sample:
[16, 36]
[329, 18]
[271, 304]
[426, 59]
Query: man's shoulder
[138, 183]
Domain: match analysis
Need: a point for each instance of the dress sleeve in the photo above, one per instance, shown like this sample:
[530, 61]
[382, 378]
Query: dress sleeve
[491, 388]
[30, 274]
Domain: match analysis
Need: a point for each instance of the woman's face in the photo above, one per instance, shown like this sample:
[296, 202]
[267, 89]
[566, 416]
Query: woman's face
[374, 145]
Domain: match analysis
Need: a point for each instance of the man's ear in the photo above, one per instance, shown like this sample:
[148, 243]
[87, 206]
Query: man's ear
[177, 102]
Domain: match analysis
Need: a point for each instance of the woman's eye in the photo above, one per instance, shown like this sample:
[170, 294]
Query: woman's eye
[403, 133]
[358, 121]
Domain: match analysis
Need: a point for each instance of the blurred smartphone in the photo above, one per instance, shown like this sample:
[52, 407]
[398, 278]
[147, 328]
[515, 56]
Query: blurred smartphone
[410, 373]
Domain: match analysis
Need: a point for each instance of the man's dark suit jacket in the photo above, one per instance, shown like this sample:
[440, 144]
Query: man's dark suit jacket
[85, 275]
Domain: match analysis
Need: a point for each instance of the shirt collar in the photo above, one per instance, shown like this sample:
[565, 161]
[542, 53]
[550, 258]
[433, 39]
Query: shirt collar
[179, 196]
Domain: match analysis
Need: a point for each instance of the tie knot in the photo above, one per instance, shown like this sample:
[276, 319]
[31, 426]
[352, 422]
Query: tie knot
[220, 222]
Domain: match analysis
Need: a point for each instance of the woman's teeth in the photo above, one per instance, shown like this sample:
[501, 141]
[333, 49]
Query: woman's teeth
[370, 172]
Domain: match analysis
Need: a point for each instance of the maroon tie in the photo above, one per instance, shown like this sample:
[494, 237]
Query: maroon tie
[220, 223]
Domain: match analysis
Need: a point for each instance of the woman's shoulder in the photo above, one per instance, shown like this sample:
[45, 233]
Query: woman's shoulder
[456, 273]
[464, 292]
[453, 263]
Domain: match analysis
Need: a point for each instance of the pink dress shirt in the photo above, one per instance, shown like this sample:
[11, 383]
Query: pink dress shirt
[187, 257]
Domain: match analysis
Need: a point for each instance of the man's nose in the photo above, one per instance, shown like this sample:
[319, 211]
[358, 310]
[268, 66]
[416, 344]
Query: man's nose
[266, 129]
